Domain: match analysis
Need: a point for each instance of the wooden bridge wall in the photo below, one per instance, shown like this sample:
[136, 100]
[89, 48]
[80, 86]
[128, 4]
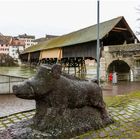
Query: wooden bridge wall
[24, 57]
[80, 50]
[75, 51]
[35, 55]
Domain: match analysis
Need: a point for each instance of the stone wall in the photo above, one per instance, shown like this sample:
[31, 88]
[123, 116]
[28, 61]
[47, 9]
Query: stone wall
[129, 56]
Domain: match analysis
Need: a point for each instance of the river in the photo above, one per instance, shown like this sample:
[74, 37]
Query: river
[28, 72]
[18, 71]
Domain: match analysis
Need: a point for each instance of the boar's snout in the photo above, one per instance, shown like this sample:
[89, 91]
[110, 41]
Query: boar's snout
[24, 91]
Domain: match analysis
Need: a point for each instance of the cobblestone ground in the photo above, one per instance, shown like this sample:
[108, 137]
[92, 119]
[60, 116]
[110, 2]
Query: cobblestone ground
[125, 110]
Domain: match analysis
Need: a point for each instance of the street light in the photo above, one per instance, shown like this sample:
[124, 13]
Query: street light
[98, 42]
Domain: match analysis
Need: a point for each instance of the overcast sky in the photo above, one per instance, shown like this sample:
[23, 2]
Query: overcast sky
[57, 17]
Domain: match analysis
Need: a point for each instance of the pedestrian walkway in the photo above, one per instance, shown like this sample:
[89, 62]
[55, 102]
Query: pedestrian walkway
[121, 88]
[10, 104]
[124, 109]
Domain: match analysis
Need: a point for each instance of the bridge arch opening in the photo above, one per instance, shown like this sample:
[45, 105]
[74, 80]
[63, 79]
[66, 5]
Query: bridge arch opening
[122, 69]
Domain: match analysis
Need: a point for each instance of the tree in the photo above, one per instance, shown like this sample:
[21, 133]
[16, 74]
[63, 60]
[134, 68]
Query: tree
[138, 20]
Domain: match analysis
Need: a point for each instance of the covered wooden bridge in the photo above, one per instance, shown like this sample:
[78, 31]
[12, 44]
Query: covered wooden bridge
[72, 49]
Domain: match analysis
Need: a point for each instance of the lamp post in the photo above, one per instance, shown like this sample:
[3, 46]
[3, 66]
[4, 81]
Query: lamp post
[98, 42]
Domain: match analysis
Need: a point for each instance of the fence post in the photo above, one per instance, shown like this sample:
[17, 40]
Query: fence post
[9, 84]
[8, 81]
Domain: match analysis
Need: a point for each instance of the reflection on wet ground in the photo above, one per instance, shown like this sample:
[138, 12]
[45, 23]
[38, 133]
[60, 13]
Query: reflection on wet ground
[120, 88]
[10, 104]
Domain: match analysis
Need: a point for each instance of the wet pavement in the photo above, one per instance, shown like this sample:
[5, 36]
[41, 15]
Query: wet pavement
[120, 88]
[10, 104]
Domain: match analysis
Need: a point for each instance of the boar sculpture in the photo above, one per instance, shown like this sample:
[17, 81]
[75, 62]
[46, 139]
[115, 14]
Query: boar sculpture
[65, 105]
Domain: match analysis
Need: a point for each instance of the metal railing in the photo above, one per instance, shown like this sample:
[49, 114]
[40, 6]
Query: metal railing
[7, 81]
[123, 77]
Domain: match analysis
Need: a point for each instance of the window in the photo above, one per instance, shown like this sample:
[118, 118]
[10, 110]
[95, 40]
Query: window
[138, 63]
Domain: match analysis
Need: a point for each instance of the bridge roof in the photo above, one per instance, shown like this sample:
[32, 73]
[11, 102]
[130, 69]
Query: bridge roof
[81, 36]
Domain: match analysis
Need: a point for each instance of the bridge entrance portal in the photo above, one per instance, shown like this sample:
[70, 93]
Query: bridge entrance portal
[122, 69]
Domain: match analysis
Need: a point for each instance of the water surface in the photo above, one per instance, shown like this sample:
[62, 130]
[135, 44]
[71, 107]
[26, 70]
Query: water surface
[18, 71]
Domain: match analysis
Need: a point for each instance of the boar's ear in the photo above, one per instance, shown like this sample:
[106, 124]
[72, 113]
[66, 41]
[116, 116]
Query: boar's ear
[56, 70]
[43, 71]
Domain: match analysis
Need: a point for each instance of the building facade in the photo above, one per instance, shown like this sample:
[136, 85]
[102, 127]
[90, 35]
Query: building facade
[5, 42]
[28, 39]
[17, 46]
[11, 46]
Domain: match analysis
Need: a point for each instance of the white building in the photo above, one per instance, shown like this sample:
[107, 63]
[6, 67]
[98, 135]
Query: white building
[16, 47]
[28, 39]
[14, 51]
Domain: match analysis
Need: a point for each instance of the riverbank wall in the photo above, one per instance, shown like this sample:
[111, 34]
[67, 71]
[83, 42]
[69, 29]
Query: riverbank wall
[7, 81]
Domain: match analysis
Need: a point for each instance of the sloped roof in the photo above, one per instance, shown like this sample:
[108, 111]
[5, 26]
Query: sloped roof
[47, 37]
[5, 39]
[16, 42]
[80, 36]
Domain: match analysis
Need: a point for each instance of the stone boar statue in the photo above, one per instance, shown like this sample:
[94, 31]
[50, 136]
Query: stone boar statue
[65, 106]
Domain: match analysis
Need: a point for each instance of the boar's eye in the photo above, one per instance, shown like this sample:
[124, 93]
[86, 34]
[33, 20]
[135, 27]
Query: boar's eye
[28, 83]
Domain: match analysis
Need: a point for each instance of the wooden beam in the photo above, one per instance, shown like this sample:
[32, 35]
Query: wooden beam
[118, 28]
